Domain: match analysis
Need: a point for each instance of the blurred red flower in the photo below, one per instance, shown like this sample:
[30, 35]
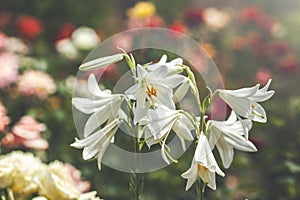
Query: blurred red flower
[193, 16]
[29, 27]
[179, 27]
[65, 31]
[251, 14]
[288, 63]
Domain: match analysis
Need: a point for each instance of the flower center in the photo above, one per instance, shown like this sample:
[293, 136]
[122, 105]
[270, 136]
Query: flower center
[151, 91]
[202, 173]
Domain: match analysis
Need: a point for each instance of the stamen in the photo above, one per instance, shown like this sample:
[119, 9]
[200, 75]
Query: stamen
[151, 91]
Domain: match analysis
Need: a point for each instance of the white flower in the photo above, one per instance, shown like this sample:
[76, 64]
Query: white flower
[104, 106]
[203, 165]
[96, 144]
[227, 135]
[85, 38]
[89, 196]
[155, 87]
[174, 66]
[67, 49]
[52, 186]
[101, 62]
[244, 101]
[215, 19]
[163, 120]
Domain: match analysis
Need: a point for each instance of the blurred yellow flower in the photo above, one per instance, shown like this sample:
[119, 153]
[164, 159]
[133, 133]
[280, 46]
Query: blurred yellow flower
[210, 49]
[141, 10]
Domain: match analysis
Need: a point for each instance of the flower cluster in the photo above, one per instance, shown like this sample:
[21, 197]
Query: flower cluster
[24, 176]
[152, 110]
[71, 41]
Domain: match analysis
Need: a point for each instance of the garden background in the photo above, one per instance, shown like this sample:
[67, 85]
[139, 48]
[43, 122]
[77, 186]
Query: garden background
[42, 43]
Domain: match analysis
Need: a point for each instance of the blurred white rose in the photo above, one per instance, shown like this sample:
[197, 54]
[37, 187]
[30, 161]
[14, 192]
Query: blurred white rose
[66, 48]
[85, 38]
[216, 19]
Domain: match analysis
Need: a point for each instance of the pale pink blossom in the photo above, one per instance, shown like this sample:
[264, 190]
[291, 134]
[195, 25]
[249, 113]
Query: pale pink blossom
[9, 65]
[75, 174]
[36, 83]
[263, 75]
[4, 120]
[27, 134]
[123, 41]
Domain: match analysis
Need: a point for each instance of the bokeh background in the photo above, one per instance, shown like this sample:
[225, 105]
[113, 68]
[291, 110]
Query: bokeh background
[42, 43]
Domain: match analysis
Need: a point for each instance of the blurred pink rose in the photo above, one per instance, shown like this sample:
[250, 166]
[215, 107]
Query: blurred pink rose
[3, 40]
[153, 21]
[288, 63]
[26, 133]
[9, 65]
[123, 41]
[36, 83]
[262, 76]
[4, 120]
[75, 174]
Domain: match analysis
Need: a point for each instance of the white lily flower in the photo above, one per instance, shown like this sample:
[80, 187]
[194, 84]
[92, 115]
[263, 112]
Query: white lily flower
[163, 120]
[204, 165]
[227, 135]
[104, 106]
[173, 66]
[155, 87]
[96, 144]
[101, 62]
[244, 101]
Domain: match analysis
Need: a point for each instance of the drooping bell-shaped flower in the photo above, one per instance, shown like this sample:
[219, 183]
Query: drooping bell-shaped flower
[204, 165]
[95, 145]
[163, 120]
[103, 106]
[245, 101]
[227, 135]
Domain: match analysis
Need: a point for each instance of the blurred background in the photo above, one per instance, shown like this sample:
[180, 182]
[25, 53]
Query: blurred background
[42, 43]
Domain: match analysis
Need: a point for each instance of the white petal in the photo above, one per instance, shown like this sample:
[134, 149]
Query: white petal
[226, 152]
[174, 80]
[211, 179]
[241, 106]
[94, 89]
[160, 73]
[181, 91]
[258, 113]
[89, 106]
[96, 120]
[141, 72]
[243, 92]
[101, 62]
[182, 131]
[164, 96]
[190, 175]
[266, 87]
